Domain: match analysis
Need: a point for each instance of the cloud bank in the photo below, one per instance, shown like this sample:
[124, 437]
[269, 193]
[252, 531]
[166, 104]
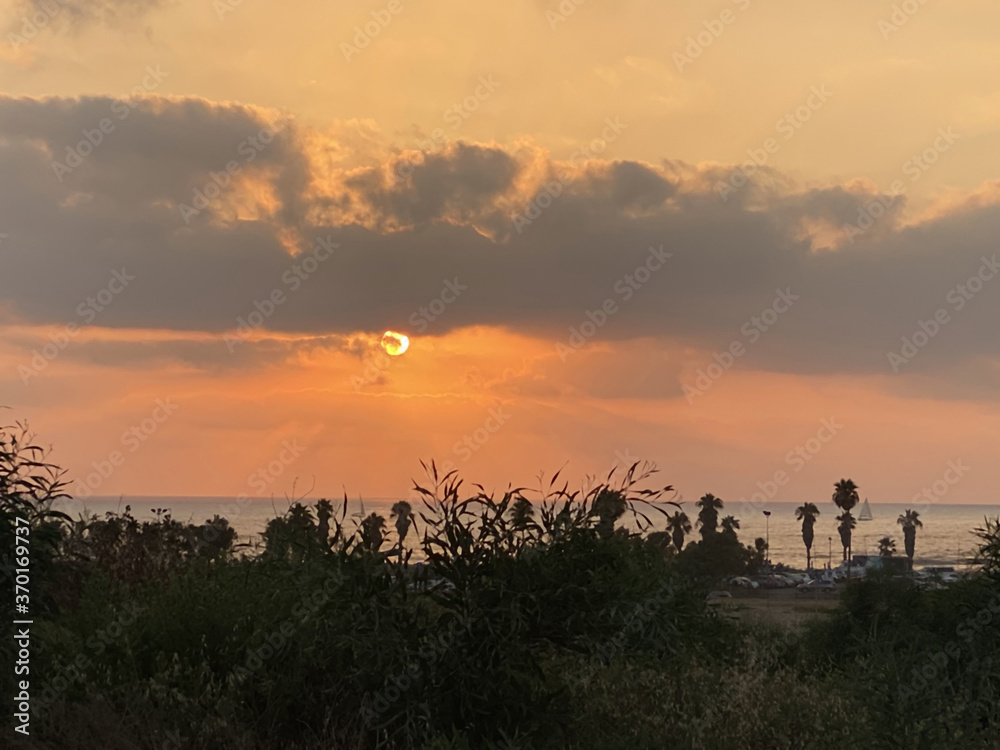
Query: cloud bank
[212, 207]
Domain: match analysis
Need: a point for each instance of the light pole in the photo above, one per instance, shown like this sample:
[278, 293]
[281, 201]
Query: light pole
[829, 554]
[767, 535]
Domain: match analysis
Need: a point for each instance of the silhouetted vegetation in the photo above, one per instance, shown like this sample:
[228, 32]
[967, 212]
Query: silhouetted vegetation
[472, 620]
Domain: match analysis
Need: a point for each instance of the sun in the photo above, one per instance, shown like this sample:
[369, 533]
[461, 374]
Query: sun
[395, 343]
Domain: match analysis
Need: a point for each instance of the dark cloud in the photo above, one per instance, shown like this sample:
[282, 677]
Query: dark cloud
[448, 219]
[628, 186]
[208, 355]
[72, 15]
[460, 185]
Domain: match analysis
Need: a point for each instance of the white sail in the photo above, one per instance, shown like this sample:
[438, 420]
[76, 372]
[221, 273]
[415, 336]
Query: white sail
[866, 512]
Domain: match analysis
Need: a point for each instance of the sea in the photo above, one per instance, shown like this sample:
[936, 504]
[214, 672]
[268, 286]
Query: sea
[946, 538]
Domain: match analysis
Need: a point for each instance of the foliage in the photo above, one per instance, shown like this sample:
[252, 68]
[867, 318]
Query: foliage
[708, 515]
[886, 546]
[845, 526]
[988, 555]
[528, 621]
[29, 486]
[845, 495]
[910, 521]
[808, 513]
[678, 525]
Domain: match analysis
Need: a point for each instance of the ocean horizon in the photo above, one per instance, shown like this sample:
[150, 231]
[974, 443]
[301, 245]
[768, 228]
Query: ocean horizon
[947, 537]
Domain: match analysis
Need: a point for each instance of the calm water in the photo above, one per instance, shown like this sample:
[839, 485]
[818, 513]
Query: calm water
[945, 539]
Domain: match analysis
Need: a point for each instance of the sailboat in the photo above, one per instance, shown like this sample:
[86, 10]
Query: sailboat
[866, 512]
[360, 514]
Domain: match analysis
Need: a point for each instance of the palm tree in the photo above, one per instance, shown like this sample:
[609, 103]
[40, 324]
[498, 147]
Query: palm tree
[886, 547]
[402, 512]
[845, 497]
[730, 525]
[847, 524]
[910, 521]
[807, 513]
[324, 511]
[708, 516]
[371, 532]
[678, 525]
[609, 506]
[522, 513]
[522, 519]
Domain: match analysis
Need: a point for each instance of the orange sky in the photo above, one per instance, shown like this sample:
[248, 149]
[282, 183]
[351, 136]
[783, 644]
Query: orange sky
[552, 207]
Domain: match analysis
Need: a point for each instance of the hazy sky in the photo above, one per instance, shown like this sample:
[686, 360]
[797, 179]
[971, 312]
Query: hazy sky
[738, 239]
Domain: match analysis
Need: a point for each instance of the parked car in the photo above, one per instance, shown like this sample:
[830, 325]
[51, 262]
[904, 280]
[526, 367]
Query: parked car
[942, 574]
[817, 586]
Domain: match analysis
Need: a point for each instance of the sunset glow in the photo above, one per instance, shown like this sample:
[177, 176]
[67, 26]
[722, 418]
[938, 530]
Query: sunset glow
[395, 343]
[642, 236]
[592, 374]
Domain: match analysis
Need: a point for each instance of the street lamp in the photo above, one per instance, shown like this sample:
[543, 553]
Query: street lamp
[767, 532]
[829, 554]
